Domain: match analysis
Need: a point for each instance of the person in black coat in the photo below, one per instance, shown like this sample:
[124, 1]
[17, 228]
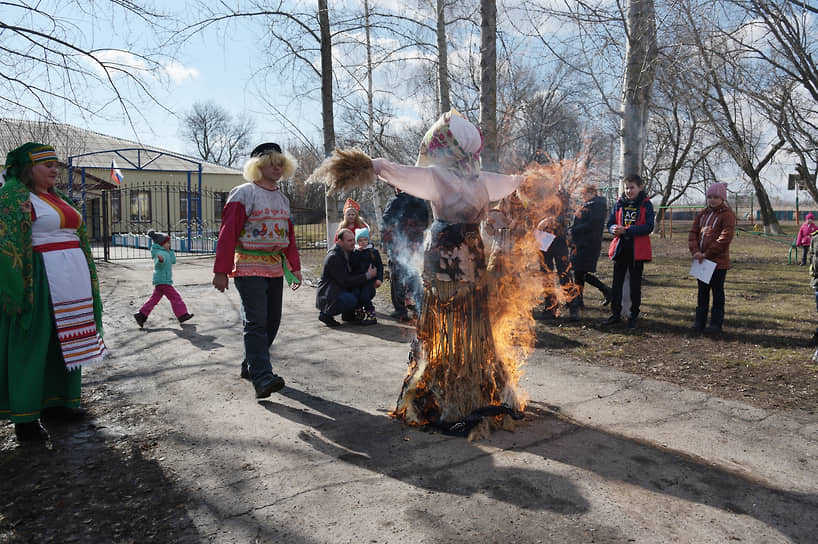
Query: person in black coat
[404, 220]
[339, 290]
[586, 239]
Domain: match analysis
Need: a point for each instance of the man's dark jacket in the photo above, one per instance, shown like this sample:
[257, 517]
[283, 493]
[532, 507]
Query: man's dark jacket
[400, 209]
[336, 277]
[586, 234]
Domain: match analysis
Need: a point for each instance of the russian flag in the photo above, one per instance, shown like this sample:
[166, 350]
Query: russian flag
[116, 175]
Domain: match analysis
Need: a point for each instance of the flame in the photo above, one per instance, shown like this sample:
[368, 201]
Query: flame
[461, 361]
[520, 285]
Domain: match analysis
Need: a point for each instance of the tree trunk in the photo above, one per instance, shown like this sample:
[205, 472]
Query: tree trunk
[640, 70]
[369, 87]
[765, 207]
[326, 108]
[768, 217]
[326, 77]
[808, 179]
[442, 59]
[488, 82]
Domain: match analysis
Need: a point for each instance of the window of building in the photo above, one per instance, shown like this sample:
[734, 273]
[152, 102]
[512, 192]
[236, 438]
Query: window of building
[140, 206]
[219, 200]
[116, 206]
[194, 206]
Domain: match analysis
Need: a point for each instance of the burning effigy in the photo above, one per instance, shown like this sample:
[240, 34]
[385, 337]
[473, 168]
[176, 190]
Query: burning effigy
[460, 378]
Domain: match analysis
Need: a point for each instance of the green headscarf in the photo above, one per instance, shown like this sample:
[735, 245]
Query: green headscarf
[16, 253]
[27, 155]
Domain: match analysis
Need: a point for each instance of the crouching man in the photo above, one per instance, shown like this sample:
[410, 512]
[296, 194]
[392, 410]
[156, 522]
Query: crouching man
[339, 290]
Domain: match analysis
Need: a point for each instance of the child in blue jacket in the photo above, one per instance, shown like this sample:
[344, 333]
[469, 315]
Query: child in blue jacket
[360, 259]
[163, 260]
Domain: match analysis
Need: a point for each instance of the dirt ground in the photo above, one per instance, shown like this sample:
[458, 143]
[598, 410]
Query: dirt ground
[129, 472]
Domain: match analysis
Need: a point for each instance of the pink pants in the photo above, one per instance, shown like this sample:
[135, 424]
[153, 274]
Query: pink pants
[174, 298]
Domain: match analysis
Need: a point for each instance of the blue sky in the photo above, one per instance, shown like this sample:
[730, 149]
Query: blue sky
[208, 67]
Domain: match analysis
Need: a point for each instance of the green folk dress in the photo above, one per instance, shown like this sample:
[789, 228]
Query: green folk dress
[32, 370]
[40, 354]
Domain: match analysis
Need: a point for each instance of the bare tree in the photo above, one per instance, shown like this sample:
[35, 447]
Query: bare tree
[613, 49]
[488, 82]
[49, 64]
[787, 47]
[326, 77]
[295, 39]
[550, 129]
[217, 136]
[442, 57]
[680, 152]
[725, 84]
[640, 71]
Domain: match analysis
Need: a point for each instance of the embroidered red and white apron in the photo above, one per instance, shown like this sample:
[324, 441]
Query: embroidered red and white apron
[54, 235]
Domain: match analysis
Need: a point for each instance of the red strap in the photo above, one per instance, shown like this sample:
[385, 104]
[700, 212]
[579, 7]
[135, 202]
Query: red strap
[56, 246]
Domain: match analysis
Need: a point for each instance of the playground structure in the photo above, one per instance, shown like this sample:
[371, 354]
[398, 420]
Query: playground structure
[742, 205]
[679, 218]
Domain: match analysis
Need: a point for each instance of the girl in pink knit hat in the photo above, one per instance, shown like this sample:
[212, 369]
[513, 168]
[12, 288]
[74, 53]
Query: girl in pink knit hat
[710, 236]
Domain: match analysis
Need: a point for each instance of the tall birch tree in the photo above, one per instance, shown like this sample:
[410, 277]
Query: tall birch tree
[488, 82]
[640, 71]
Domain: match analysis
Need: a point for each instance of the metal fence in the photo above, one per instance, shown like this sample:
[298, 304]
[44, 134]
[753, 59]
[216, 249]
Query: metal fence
[119, 219]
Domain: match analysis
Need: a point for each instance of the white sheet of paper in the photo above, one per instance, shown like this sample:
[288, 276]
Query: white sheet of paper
[544, 239]
[703, 271]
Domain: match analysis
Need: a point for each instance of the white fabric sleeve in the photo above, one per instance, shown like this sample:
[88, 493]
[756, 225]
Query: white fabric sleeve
[500, 185]
[418, 181]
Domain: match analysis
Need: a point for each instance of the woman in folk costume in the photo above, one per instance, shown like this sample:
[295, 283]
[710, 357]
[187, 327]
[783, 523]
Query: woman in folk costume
[51, 320]
[352, 218]
[256, 247]
[454, 367]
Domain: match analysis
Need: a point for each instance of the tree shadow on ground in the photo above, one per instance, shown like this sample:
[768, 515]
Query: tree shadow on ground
[448, 465]
[88, 484]
[383, 329]
[456, 466]
[658, 470]
[544, 338]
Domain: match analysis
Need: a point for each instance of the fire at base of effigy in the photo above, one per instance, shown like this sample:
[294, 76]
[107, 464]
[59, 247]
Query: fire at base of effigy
[456, 381]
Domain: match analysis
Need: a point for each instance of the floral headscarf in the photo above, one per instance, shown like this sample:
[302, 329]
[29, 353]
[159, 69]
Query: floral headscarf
[452, 142]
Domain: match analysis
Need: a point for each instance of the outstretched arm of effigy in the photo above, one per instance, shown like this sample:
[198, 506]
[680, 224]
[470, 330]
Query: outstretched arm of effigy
[418, 181]
[500, 185]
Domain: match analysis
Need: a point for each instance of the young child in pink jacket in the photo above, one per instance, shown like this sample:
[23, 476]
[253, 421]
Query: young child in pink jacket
[804, 237]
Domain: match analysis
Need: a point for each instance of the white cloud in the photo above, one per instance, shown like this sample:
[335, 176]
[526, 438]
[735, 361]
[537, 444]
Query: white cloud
[179, 72]
[122, 59]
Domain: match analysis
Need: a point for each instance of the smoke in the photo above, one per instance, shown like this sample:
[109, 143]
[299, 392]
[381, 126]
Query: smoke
[405, 250]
